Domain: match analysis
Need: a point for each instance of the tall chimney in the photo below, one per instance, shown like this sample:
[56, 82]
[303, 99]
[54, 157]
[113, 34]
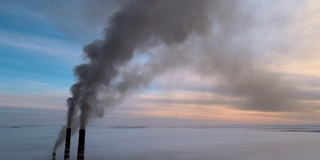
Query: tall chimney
[54, 156]
[81, 141]
[67, 145]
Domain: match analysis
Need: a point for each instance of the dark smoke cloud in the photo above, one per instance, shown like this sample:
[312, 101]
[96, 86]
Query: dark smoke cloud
[138, 24]
[207, 37]
[227, 54]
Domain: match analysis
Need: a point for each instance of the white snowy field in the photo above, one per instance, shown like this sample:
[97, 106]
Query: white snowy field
[168, 143]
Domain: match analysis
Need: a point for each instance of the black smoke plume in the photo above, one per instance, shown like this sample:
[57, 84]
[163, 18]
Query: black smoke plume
[205, 36]
[138, 24]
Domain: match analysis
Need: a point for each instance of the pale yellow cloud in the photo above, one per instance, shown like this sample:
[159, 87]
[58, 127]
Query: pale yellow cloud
[178, 105]
[299, 40]
[221, 114]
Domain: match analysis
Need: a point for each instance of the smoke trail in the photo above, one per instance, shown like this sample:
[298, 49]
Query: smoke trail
[70, 119]
[138, 24]
[226, 53]
[208, 37]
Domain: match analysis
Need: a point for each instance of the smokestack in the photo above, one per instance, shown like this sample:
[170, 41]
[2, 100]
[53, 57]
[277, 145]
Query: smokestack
[54, 156]
[81, 141]
[67, 145]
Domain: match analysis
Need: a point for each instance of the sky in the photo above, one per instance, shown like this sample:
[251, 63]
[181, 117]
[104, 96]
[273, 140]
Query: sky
[42, 41]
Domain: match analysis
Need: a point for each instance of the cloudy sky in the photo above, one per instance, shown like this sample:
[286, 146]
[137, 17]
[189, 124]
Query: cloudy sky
[42, 41]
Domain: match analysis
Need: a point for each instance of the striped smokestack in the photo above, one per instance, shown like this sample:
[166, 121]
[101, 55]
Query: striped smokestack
[81, 141]
[67, 145]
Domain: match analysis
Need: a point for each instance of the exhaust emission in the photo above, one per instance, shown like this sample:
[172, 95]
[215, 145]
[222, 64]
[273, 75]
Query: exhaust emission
[165, 31]
[67, 144]
[81, 141]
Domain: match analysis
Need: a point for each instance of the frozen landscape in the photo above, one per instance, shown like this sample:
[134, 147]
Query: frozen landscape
[218, 142]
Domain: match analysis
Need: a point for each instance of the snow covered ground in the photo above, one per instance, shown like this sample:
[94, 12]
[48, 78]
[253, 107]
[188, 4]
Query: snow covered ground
[168, 143]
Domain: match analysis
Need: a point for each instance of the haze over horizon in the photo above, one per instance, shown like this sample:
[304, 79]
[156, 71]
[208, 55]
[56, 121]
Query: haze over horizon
[41, 42]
